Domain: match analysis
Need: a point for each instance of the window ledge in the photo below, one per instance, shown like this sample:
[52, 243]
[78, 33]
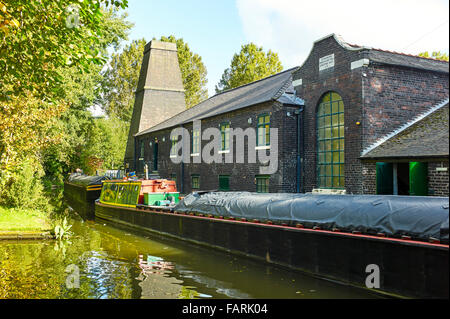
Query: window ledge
[224, 152]
[266, 147]
[329, 191]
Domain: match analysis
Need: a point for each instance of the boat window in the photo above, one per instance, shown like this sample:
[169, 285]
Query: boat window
[134, 194]
[123, 194]
[108, 193]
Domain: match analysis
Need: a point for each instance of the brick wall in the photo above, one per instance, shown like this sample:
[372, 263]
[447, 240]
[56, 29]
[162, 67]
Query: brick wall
[395, 95]
[438, 180]
[242, 175]
[369, 176]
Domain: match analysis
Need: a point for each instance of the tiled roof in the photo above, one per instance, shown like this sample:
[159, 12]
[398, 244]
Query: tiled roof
[425, 137]
[277, 87]
[401, 59]
[396, 58]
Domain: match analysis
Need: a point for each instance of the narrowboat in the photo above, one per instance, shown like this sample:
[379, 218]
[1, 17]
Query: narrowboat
[403, 240]
[81, 191]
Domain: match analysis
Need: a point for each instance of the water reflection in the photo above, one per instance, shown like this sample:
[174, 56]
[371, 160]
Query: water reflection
[115, 263]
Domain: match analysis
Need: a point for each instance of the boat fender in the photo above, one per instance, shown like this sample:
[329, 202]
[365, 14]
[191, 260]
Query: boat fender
[434, 240]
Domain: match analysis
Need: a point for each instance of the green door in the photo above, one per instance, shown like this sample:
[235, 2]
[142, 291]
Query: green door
[155, 157]
[418, 179]
[385, 179]
[224, 183]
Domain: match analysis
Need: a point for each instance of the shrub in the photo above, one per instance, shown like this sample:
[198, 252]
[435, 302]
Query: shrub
[23, 188]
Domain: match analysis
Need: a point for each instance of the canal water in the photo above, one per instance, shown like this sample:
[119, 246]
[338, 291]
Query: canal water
[103, 261]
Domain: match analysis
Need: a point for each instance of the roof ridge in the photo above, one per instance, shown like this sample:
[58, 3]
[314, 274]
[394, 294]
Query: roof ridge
[411, 55]
[268, 77]
[402, 128]
[360, 47]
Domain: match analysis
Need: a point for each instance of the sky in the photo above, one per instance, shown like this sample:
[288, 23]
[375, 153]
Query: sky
[216, 30]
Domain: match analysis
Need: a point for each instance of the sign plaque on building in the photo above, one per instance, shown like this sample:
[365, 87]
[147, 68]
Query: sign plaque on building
[326, 62]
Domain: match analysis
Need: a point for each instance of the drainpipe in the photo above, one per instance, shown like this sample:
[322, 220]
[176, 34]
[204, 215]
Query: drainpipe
[182, 179]
[182, 174]
[299, 113]
[394, 179]
[135, 154]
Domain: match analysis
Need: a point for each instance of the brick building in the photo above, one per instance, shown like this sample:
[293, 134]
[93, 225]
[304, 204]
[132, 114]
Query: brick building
[357, 96]
[270, 102]
[347, 109]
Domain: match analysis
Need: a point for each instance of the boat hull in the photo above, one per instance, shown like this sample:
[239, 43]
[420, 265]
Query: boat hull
[407, 268]
[82, 198]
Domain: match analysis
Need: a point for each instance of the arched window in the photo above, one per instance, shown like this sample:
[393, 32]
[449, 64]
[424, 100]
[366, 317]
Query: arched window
[330, 142]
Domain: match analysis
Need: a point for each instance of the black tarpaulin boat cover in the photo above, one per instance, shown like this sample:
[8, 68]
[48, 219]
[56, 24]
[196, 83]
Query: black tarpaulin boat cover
[81, 179]
[416, 216]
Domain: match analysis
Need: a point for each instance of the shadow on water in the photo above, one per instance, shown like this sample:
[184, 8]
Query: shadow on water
[102, 261]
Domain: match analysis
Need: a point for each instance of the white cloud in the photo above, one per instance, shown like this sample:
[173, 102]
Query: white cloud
[290, 27]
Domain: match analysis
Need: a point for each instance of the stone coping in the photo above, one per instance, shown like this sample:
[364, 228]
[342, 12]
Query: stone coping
[12, 234]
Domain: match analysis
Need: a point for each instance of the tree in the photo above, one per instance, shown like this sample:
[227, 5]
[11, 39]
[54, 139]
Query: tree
[251, 64]
[435, 55]
[38, 37]
[73, 130]
[193, 72]
[42, 61]
[121, 79]
[106, 144]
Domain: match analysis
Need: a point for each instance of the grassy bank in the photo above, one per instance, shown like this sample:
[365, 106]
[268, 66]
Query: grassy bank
[16, 219]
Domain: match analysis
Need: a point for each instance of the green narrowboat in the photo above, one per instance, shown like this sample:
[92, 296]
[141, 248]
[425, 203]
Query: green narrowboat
[81, 191]
[136, 193]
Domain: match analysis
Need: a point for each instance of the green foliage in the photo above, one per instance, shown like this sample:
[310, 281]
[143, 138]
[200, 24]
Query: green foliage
[121, 79]
[87, 143]
[50, 75]
[106, 143]
[62, 230]
[435, 55]
[193, 72]
[70, 133]
[187, 292]
[23, 188]
[40, 40]
[251, 64]
[74, 132]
